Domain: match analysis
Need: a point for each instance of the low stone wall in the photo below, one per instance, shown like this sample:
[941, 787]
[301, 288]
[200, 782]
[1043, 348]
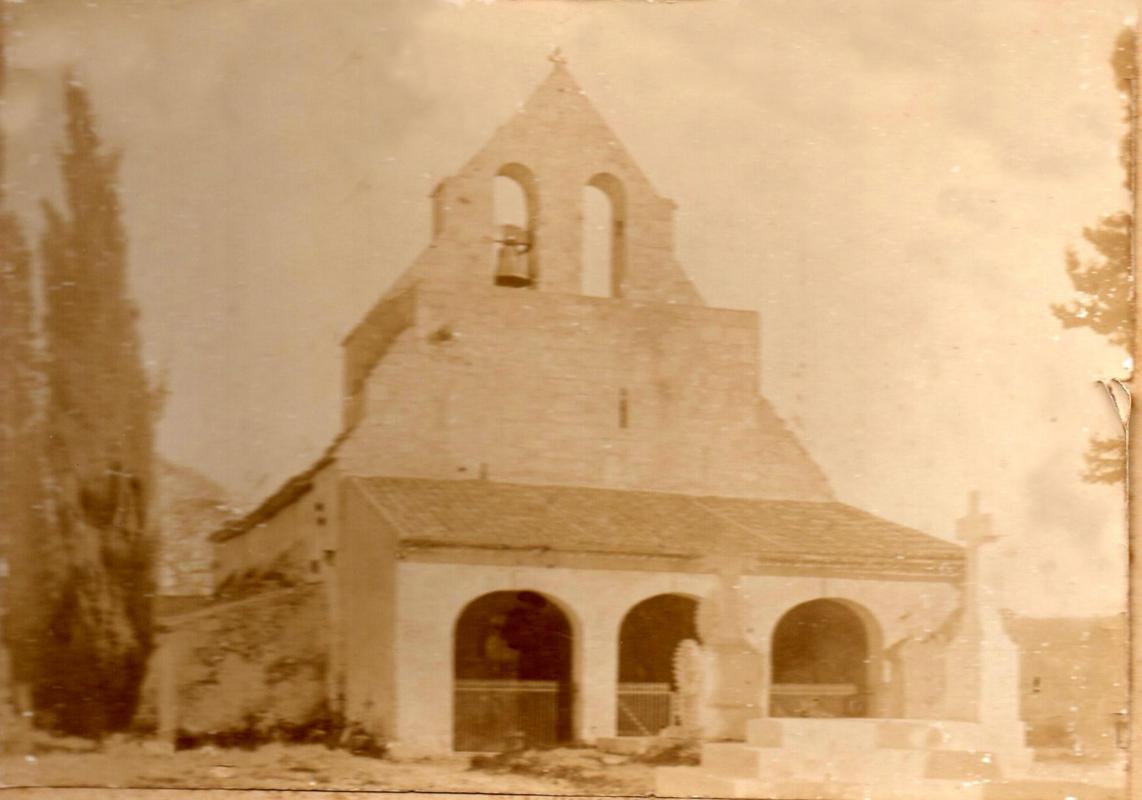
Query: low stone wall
[250, 669]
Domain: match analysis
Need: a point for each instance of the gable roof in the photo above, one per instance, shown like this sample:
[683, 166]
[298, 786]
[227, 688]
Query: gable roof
[558, 120]
[769, 533]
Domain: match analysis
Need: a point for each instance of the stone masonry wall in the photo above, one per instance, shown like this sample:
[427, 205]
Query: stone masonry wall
[295, 538]
[1073, 682]
[254, 668]
[548, 388]
[558, 144]
[450, 376]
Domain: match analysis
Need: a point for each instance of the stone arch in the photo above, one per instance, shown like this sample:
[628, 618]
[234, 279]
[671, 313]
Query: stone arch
[515, 212]
[649, 635]
[604, 240]
[513, 664]
[825, 660]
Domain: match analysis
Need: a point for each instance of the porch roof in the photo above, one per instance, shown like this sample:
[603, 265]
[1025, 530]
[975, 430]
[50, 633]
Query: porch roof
[505, 516]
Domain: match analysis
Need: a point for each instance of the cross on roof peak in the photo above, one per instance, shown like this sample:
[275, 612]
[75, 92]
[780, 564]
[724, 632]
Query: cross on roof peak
[556, 56]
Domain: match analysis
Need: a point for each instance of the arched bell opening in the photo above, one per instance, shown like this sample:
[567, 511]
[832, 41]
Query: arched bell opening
[512, 668]
[515, 209]
[823, 661]
[648, 640]
[604, 236]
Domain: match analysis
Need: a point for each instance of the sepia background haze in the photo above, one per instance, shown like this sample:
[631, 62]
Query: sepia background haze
[890, 185]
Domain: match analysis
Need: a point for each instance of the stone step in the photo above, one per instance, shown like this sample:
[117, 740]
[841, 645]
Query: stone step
[828, 735]
[963, 765]
[923, 789]
[742, 761]
[696, 782]
[732, 759]
[693, 782]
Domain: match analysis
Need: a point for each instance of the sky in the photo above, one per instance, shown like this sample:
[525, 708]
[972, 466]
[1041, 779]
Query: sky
[891, 185]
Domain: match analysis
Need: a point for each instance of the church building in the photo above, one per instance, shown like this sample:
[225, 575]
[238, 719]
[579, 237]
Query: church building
[536, 489]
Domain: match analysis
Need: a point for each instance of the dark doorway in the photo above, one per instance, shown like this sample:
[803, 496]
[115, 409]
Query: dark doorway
[512, 673]
[648, 639]
[820, 662]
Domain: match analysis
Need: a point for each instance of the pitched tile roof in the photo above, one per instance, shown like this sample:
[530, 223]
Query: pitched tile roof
[485, 514]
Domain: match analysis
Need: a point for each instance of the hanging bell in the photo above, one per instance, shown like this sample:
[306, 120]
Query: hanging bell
[513, 266]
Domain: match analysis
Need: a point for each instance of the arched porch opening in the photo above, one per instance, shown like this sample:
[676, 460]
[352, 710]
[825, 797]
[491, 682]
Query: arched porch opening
[512, 668]
[648, 638]
[822, 660]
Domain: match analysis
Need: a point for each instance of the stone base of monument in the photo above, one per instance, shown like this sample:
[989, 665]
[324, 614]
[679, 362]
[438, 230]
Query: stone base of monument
[838, 759]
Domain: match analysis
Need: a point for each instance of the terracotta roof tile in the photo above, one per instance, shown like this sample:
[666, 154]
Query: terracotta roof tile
[476, 513]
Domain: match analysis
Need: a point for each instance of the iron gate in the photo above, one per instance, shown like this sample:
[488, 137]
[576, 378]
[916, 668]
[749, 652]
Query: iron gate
[644, 708]
[499, 715]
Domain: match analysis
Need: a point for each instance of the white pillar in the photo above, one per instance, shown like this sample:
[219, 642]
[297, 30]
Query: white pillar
[423, 680]
[737, 675]
[596, 679]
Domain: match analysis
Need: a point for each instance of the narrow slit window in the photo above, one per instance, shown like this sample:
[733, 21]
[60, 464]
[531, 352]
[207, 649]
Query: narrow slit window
[624, 409]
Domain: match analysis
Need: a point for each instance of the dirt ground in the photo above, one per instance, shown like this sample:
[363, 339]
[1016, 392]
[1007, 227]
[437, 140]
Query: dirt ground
[275, 766]
[582, 771]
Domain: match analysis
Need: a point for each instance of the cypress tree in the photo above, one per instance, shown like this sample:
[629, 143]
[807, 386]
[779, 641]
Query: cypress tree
[21, 459]
[98, 597]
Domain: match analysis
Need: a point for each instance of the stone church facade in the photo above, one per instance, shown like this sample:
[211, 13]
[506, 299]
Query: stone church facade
[537, 494]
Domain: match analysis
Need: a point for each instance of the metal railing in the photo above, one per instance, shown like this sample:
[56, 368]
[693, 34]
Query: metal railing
[644, 708]
[499, 715]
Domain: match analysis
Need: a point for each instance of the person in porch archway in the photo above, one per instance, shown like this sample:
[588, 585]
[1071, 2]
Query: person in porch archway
[501, 658]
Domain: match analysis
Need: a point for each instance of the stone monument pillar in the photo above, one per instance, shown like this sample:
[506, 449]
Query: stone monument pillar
[983, 661]
[737, 685]
[963, 664]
